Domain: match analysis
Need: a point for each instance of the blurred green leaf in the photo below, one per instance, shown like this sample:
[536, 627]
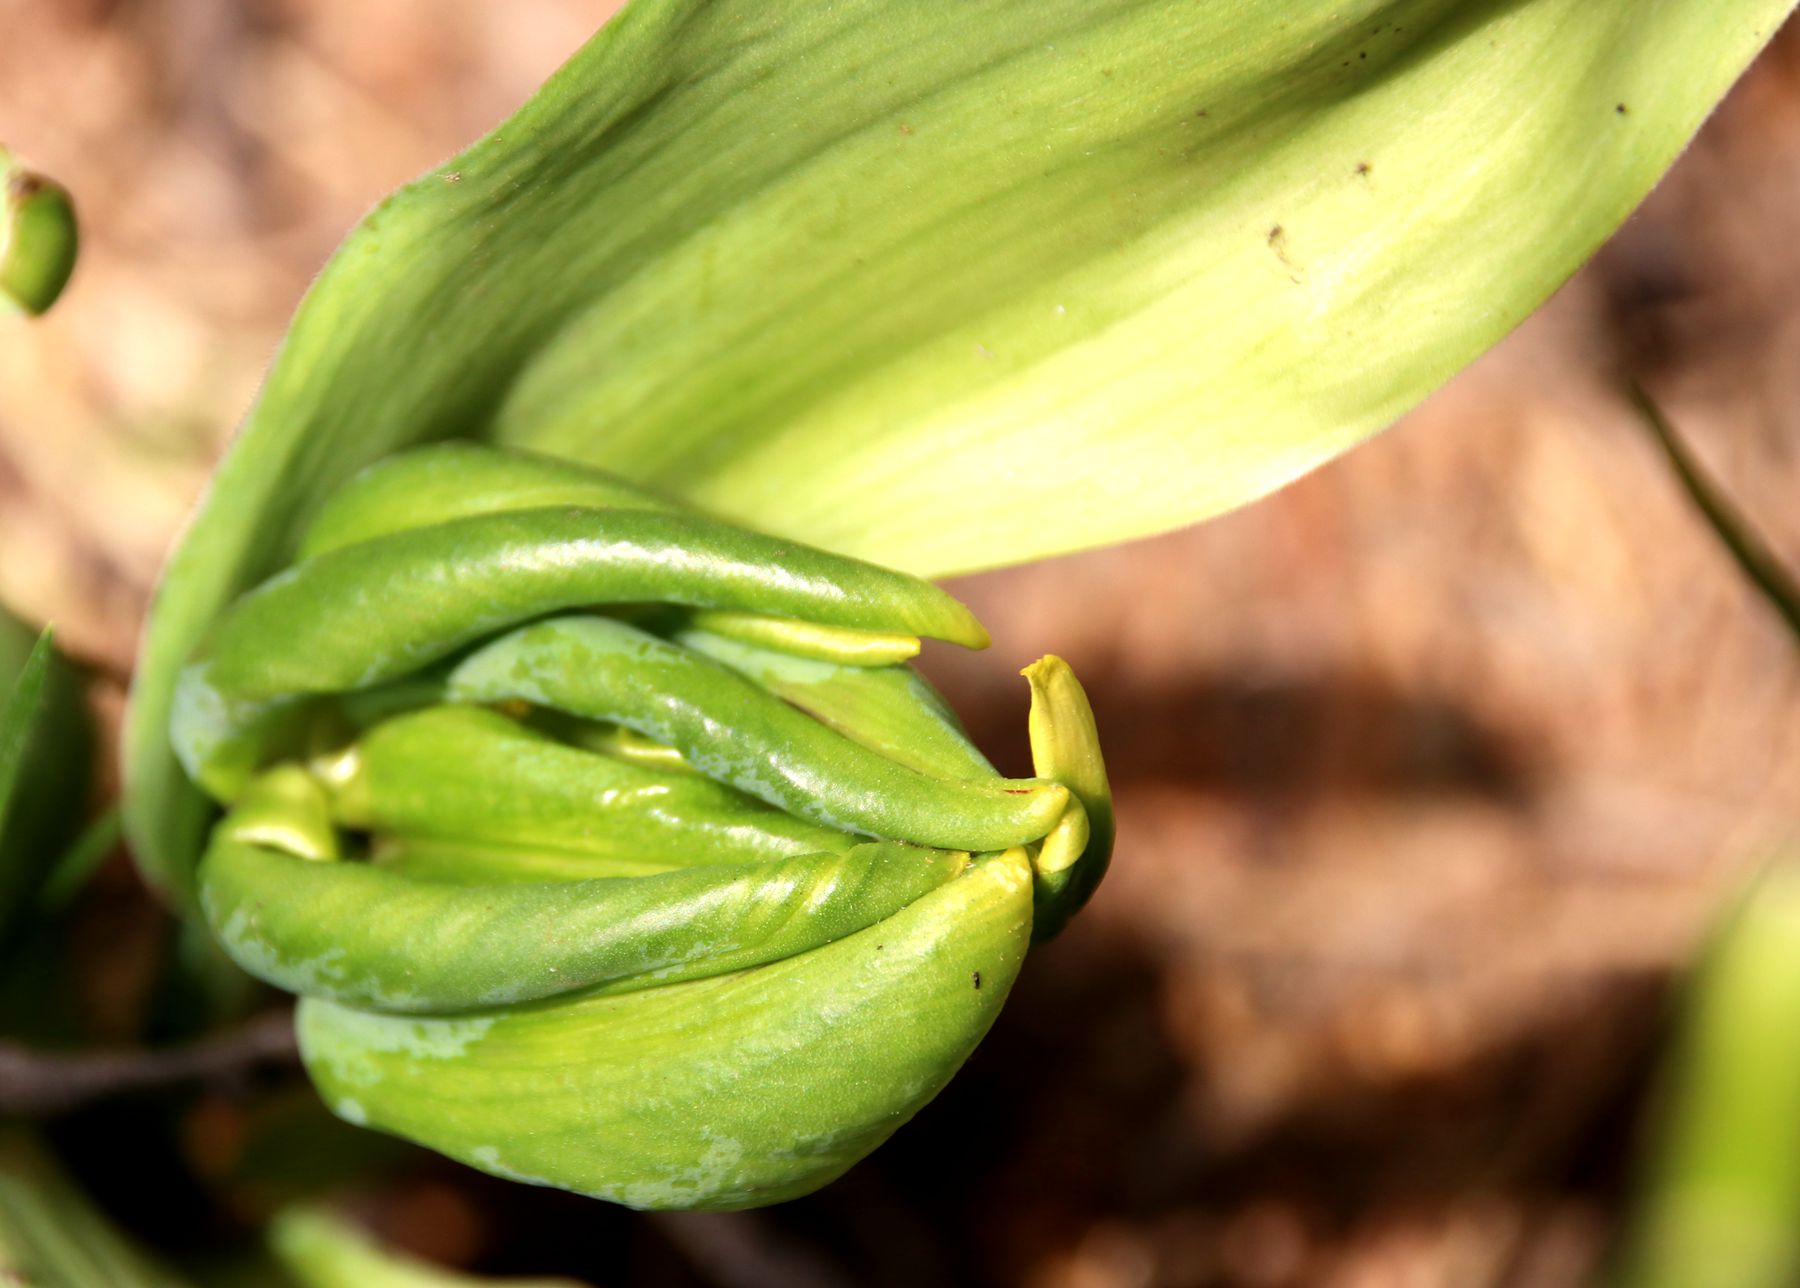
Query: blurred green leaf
[77, 864]
[46, 764]
[18, 722]
[51, 1234]
[324, 1251]
[46, 748]
[903, 280]
[1065, 748]
[1721, 1201]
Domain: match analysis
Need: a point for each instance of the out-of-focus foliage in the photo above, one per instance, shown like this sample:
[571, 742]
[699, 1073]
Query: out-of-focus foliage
[1721, 1203]
[46, 748]
[51, 1233]
[324, 1251]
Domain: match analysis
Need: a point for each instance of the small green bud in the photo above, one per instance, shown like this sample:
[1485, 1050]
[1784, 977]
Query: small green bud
[38, 237]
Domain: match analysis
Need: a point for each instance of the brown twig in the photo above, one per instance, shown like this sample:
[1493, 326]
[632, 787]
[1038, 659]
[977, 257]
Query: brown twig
[41, 1083]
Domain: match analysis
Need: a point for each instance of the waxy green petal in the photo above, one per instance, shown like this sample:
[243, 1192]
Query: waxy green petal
[414, 597]
[364, 935]
[472, 778]
[893, 710]
[1065, 748]
[734, 732]
[455, 481]
[672, 1097]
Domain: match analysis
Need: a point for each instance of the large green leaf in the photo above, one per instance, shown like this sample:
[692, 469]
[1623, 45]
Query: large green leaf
[949, 284]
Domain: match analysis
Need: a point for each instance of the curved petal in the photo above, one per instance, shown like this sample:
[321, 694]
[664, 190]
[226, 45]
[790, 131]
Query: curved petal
[595, 1093]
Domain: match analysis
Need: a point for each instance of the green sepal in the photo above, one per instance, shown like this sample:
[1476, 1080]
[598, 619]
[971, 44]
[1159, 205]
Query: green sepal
[890, 709]
[476, 780]
[370, 936]
[1065, 748]
[830, 644]
[419, 595]
[735, 732]
[727, 1092]
[322, 1250]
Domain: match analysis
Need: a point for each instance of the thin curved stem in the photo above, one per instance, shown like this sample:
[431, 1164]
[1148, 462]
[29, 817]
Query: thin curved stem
[41, 1083]
[1748, 547]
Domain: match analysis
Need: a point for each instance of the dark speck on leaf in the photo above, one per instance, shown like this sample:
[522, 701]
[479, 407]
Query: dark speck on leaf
[1278, 244]
[977, 979]
[1621, 109]
[1363, 168]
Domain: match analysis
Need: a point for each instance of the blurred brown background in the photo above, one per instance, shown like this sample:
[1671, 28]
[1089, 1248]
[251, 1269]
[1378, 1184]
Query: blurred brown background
[1430, 769]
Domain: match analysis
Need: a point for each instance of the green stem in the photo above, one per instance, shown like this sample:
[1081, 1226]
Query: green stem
[70, 873]
[1747, 546]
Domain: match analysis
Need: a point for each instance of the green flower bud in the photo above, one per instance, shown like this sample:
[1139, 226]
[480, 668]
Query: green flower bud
[612, 847]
